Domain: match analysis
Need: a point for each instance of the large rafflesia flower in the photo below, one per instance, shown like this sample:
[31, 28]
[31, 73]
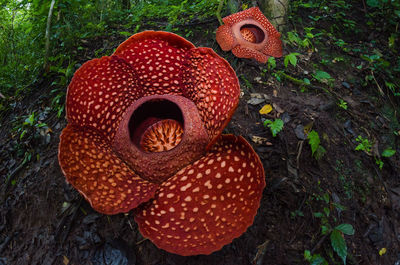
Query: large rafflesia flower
[249, 34]
[144, 133]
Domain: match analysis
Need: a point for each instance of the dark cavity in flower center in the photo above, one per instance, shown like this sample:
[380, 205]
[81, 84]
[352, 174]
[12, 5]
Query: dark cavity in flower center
[156, 126]
[252, 33]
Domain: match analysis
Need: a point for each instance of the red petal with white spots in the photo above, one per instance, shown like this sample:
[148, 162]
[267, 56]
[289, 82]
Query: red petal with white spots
[250, 35]
[243, 52]
[251, 13]
[156, 58]
[208, 204]
[99, 94]
[225, 38]
[98, 174]
[274, 46]
[211, 83]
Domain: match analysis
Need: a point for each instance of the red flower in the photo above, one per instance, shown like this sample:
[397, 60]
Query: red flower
[144, 128]
[249, 34]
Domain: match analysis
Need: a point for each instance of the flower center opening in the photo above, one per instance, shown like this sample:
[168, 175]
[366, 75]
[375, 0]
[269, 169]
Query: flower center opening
[156, 126]
[252, 33]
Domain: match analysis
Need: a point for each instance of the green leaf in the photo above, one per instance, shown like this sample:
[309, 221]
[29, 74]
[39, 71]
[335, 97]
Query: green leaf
[324, 229]
[339, 244]
[327, 211]
[373, 3]
[321, 75]
[292, 58]
[30, 120]
[318, 215]
[318, 260]
[346, 229]
[275, 126]
[388, 152]
[320, 152]
[313, 140]
[307, 255]
[271, 63]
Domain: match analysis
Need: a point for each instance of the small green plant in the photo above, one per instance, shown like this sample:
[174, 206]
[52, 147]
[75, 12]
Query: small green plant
[364, 144]
[315, 259]
[296, 213]
[388, 152]
[317, 150]
[275, 126]
[271, 63]
[323, 77]
[335, 233]
[379, 162]
[29, 125]
[292, 58]
[342, 104]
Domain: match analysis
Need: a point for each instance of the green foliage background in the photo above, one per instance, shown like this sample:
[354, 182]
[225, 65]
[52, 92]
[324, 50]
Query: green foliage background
[74, 24]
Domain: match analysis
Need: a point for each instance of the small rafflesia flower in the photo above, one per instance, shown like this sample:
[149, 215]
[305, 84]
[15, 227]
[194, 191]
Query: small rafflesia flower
[249, 34]
[144, 133]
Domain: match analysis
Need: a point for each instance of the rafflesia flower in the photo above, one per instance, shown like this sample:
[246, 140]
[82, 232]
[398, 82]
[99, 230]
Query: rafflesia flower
[144, 133]
[249, 34]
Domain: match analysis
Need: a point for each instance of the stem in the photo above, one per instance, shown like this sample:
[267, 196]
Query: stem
[301, 82]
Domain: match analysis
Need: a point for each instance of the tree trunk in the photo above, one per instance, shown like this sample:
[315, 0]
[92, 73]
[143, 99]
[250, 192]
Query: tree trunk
[47, 37]
[276, 11]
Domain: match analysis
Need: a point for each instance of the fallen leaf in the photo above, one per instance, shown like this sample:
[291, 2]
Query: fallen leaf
[266, 109]
[259, 95]
[308, 128]
[260, 140]
[255, 101]
[382, 251]
[277, 108]
[258, 79]
[65, 260]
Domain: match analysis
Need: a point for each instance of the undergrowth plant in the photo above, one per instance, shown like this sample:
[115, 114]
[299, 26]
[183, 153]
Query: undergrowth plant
[275, 126]
[317, 149]
[330, 227]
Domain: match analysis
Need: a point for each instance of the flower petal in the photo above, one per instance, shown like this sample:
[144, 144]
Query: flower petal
[244, 52]
[211, 83]
[98, 174]
[99, 93]
[225, 38]
[208, 204]
[253, 13]
[274, 46]
[256, 14]
[156, 58]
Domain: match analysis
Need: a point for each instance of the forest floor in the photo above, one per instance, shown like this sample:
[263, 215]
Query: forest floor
[43, 220]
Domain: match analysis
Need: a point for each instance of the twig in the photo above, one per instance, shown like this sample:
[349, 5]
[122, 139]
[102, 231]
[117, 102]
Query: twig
[141, 241]
[11, 176]
[377, 84]
[63, 221]
[318, 245]
[301, 83]
[261, 250]
[300, 144]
